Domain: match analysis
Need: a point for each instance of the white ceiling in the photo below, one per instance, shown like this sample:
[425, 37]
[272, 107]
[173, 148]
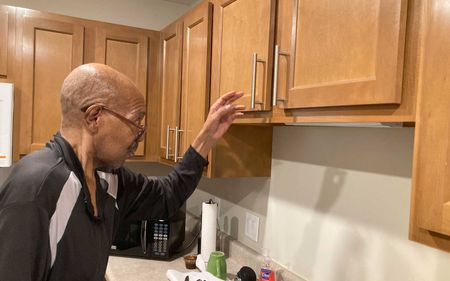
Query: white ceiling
[185, 2]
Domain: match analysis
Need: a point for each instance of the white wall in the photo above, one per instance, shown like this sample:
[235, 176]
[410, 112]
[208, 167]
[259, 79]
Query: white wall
[149, 14]
[335, 208]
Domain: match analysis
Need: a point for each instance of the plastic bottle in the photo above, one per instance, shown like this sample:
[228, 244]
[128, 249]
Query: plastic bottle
[266, 273]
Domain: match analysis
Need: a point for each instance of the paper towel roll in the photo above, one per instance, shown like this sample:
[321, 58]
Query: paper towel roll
[209, 220]
[6, 123]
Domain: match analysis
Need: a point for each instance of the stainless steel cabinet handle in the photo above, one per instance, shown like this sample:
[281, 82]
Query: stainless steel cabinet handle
[168, 130]
[167, 141]
[275, 75]
[179, 157]
[176, 144]
[253, 97]
[177, 132]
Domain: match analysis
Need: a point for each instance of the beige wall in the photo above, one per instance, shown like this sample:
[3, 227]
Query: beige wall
[149, 14]
[335, 208]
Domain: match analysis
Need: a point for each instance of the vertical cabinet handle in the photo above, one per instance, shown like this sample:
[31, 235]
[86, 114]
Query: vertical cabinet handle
[167, 141]
[275, 75]
[255, 60]
[168, 130]
[176, 145]
[177, 138]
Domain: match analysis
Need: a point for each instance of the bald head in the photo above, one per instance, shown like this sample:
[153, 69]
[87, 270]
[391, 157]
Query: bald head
[91, 84]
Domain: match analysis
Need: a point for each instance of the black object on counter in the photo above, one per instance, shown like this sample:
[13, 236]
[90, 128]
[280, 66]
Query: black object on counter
[246, 274]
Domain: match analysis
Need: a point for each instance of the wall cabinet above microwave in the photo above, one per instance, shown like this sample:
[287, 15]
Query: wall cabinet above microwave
[336, 62]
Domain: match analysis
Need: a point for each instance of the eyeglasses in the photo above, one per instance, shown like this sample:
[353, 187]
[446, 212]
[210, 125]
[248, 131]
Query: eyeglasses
[141, 128]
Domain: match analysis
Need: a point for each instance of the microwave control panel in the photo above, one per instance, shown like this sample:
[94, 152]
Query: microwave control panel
[160, 241]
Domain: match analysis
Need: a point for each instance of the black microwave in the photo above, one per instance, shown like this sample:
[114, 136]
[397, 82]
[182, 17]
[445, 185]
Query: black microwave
[151, 239]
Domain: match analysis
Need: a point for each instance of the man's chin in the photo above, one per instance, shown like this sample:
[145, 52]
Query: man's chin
[131, 152]
[112, 164]
[117, 165]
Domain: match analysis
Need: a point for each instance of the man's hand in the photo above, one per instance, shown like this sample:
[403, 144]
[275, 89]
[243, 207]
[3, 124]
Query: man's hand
[220, 117]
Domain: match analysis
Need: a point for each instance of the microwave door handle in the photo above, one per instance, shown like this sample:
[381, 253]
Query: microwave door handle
[144, 237]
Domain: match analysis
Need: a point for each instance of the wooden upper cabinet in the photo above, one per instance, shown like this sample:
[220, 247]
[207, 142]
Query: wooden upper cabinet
[340, 52]
[7, 22]
[126, 50]
[171, 47]
[430, 213]
[50, 50]
[196, 73]
[243, 50]
[183, 115]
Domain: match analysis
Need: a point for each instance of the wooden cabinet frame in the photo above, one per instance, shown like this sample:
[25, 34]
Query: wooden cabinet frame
[131, 37]
[430, 200]
[262, 68]
[380, 85]
[7, 37]
[31, 24]
[403, 112]
[170, 87]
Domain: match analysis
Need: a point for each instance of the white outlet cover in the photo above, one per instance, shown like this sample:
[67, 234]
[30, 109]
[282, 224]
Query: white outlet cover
[252, 226]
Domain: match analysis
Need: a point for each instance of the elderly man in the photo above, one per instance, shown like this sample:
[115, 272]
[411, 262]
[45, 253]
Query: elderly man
[60, 206]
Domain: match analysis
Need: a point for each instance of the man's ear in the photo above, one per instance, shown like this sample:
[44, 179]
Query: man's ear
[91, 118]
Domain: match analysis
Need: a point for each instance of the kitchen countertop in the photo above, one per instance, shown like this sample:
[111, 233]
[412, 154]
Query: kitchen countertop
[238, 255]
[134, 269]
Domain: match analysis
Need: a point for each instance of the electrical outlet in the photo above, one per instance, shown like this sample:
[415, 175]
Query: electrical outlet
[251, 226]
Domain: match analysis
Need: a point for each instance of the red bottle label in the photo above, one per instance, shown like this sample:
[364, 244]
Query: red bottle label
[266, 275]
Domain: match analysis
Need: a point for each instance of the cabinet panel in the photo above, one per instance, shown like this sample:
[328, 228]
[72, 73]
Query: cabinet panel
[243, 43]
[346, 53]
[50, 50]
[171, 38]
[7, 16]
[430, 213]
[183, 117]
[196, 73]
[125, 50]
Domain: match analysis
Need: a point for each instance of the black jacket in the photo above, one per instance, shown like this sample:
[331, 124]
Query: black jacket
[48, 230]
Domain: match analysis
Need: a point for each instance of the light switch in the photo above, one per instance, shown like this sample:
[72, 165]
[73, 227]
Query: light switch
[252, 226]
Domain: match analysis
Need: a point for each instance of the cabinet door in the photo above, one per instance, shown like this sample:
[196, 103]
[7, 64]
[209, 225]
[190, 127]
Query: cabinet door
[171, 41]
[125, 50]
[50, 50]
[430, 218]
[7, 15]
[196, 74]
[242, 50]
[344, 52]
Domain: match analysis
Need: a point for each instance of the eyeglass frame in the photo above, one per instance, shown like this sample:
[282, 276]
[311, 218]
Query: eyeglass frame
[141, 128]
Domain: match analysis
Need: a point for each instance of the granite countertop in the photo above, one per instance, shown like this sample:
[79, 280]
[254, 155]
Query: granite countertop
[134, 269]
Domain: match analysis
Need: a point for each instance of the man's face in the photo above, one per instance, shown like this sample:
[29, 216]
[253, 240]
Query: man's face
[120, 131]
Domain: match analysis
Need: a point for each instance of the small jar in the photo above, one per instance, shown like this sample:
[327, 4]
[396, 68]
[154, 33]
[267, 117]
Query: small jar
[189, 261]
